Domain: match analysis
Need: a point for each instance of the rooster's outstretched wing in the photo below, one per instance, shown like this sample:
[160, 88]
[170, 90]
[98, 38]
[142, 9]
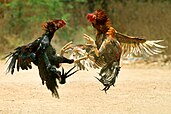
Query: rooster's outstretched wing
[138, 46]
[130, 45]
[22, 57]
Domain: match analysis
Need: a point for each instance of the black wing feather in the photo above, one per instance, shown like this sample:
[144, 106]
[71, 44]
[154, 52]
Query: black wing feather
[21, 57]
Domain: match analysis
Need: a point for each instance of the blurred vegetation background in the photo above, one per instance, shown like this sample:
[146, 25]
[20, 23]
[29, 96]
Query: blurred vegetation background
[20, 20]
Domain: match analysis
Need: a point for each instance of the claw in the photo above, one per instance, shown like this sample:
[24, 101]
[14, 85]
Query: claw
[62, 70]
[66, 75]
[70, 71]
[106, 88]
[105, 82]
[100, 80]
[97, 79]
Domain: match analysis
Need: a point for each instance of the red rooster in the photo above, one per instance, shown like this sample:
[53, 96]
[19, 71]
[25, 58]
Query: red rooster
[108, 47]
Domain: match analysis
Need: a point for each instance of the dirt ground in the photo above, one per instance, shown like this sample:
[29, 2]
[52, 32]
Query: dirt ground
[139, 90]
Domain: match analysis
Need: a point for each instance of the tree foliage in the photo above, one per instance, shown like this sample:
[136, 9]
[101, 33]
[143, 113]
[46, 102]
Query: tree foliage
[21, 19]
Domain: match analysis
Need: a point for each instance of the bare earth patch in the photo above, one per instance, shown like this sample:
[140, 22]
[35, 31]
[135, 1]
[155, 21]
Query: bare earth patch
[138, 90]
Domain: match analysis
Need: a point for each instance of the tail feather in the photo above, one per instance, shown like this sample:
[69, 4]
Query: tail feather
[49, 78]
[51, 84]
[12, 63]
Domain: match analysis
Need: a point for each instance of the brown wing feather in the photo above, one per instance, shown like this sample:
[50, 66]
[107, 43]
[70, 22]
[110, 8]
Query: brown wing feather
[128, 39]
[138, 46]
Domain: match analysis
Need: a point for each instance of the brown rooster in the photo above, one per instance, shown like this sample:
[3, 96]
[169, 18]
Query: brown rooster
[43, 55]
[108, 47]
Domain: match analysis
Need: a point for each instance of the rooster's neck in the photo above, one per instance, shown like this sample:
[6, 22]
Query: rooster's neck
[49, 34]
[102, 27]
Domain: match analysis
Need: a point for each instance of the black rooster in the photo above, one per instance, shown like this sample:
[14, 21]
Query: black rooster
[42, 54]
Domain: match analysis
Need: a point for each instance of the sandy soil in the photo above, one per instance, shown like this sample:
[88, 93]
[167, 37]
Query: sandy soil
[138, 90]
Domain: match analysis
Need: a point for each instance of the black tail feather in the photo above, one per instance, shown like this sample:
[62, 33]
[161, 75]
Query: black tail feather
[12, 63]
[51, 84]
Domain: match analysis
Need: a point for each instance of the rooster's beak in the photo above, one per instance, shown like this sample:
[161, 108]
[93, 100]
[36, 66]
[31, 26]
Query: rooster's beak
[91, 17]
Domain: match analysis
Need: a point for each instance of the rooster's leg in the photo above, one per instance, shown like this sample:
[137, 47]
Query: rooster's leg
[67, 74]
[108, 75]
